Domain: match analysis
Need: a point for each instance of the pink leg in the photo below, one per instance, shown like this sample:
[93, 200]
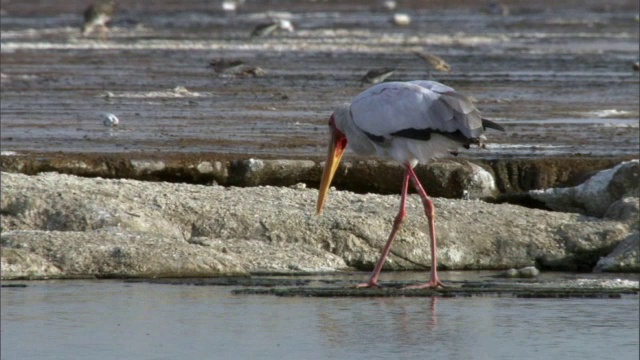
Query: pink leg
[429, 210]
[373, 280]
[103, 32]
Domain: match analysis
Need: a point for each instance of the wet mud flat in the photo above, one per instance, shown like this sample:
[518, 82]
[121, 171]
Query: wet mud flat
[315, 285]
[320, 287]
[558, 76]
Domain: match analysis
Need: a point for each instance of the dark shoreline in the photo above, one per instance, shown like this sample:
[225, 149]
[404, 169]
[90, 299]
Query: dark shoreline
[512, 175]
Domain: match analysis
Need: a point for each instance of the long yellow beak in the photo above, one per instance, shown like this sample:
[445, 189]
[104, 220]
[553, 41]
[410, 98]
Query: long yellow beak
[336, 150]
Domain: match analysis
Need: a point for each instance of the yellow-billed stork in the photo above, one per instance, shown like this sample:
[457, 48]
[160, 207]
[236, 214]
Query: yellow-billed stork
[410, 122]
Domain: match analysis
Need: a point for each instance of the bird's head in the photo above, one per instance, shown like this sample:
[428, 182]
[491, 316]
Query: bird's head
[337, 145]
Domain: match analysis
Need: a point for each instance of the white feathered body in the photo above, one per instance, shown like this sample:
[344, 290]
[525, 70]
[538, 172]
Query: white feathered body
[410, 122]
[110, 120]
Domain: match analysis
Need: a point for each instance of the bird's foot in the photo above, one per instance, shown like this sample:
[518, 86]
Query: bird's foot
[433, 283]
[368, 284]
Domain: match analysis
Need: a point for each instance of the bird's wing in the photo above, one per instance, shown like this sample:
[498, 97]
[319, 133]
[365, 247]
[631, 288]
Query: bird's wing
[264, 29]
[414, 110]
[380, 71]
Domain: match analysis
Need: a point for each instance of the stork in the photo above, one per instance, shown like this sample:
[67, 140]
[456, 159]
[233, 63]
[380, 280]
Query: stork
[410, 122]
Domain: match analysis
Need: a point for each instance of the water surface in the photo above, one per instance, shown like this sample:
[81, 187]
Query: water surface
[114, 319]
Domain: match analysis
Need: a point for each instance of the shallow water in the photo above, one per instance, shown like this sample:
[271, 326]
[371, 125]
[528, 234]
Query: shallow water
[557, 74]
[114, 319]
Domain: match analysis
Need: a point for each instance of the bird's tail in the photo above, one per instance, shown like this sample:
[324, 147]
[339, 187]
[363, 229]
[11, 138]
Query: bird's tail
[491, 125]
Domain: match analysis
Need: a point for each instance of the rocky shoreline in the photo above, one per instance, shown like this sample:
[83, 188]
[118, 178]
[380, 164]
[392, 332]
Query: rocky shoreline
[64, 226]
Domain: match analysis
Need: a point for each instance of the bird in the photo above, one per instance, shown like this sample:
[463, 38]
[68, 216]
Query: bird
[411, 122]
[433, 62]
[110, 120]
[98, 15]
[400, 19]
[270, 27]
[231, 5]
[389, 5]
[251, 71]
[498, 8]
[376, 75]
[226, 65]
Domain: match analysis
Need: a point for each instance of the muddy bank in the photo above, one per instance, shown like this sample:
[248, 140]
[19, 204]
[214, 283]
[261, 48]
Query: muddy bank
[445, 178]
[318, 286]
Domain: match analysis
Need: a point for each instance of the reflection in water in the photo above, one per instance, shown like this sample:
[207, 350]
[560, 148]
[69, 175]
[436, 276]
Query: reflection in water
[369, 323]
